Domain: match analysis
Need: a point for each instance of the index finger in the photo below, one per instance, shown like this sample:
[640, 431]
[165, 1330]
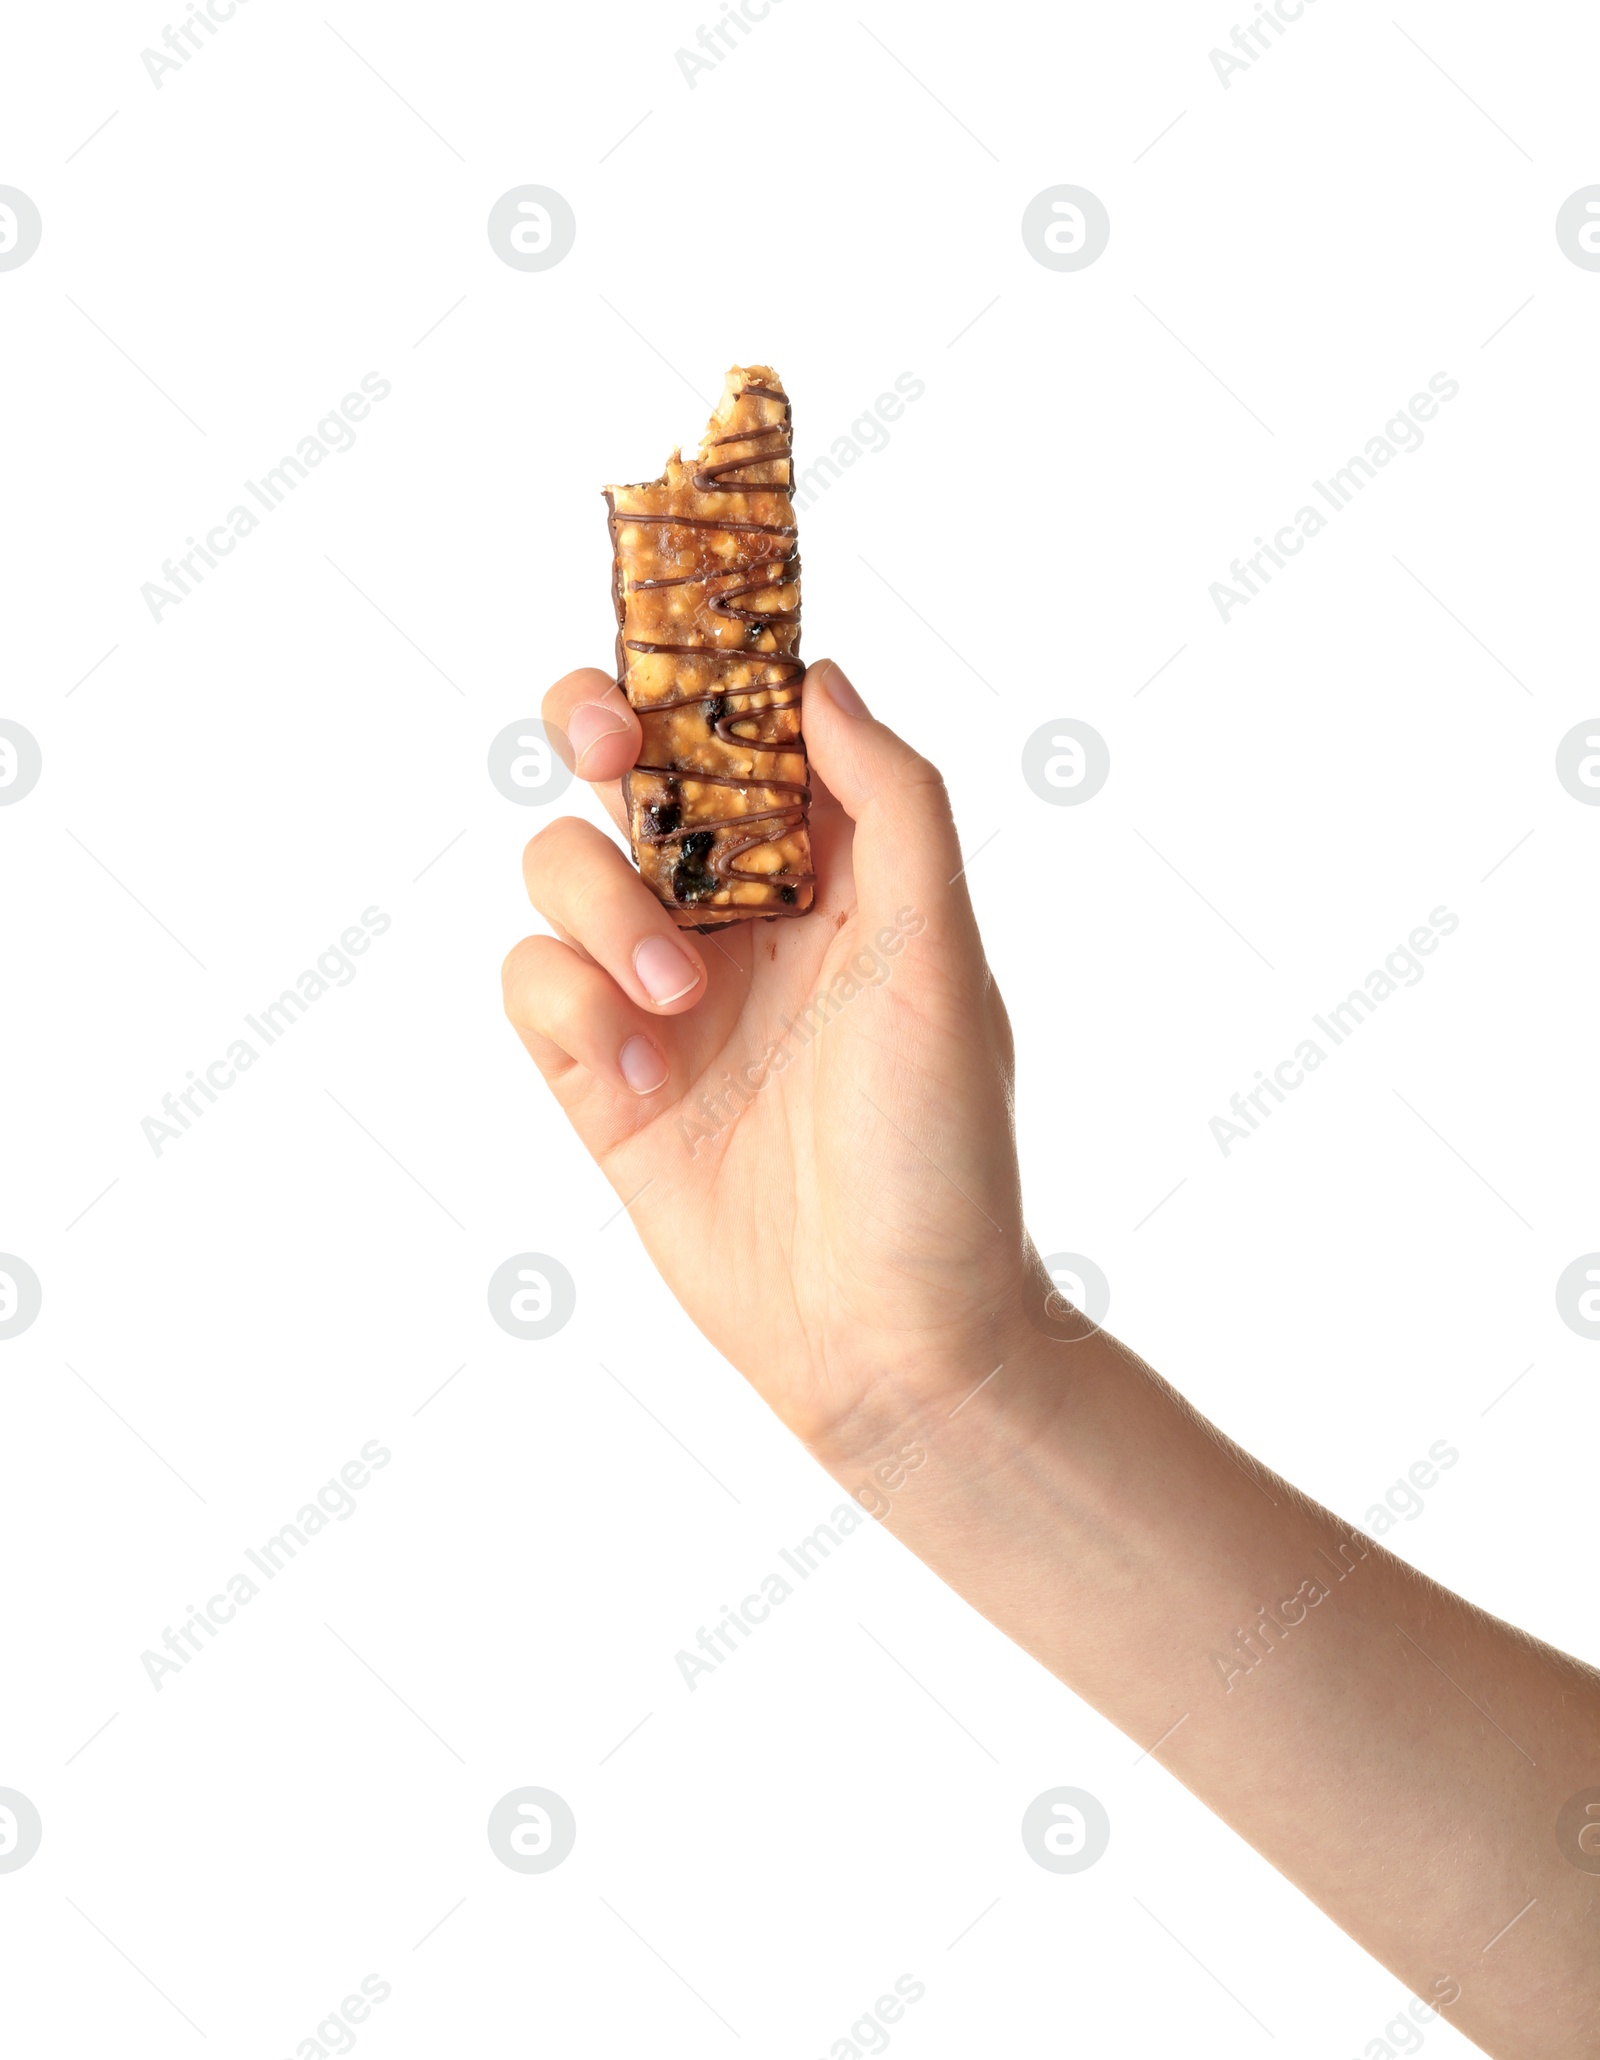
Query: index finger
[592, 712]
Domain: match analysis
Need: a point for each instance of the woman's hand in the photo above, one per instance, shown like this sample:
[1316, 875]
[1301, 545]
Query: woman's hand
[845, 1227]
[810, 1119]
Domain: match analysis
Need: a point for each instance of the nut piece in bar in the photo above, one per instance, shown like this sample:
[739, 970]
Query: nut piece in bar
[706, 580]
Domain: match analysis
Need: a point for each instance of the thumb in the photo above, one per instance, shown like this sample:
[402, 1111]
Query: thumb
[906, 849]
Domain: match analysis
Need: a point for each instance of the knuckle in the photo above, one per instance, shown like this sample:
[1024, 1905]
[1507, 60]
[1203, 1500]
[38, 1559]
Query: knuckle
[923, 782]
[536, 974]
[517, 968]
[552, 847]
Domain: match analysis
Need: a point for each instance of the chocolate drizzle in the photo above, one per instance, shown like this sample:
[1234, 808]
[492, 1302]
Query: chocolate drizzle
[706, 863]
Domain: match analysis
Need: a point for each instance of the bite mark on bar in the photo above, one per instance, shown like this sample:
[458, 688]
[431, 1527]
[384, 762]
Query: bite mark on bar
[708, 639]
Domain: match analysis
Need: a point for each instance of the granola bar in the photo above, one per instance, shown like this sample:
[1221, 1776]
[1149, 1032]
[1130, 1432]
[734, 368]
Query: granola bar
[706, 580]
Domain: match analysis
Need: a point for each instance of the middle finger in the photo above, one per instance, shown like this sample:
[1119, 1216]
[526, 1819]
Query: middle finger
[580, 882]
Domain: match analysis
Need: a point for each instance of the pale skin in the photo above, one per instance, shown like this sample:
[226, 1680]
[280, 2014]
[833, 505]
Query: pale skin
[1397, 1753]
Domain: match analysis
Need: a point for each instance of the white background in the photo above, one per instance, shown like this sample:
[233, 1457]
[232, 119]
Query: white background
[1359, 745]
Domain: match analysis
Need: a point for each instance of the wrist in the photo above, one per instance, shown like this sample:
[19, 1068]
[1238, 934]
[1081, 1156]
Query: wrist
[931, 1432]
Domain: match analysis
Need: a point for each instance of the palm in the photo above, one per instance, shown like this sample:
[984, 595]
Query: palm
[807, 1183]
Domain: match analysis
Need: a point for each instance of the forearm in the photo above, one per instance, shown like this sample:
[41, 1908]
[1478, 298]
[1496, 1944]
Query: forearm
[1401, 1757]
[1396, 1753]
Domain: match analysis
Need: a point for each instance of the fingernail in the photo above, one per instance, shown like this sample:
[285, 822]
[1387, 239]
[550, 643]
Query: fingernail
[665, 973]
[642, 1065]
[839, 690]
[589, 723]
